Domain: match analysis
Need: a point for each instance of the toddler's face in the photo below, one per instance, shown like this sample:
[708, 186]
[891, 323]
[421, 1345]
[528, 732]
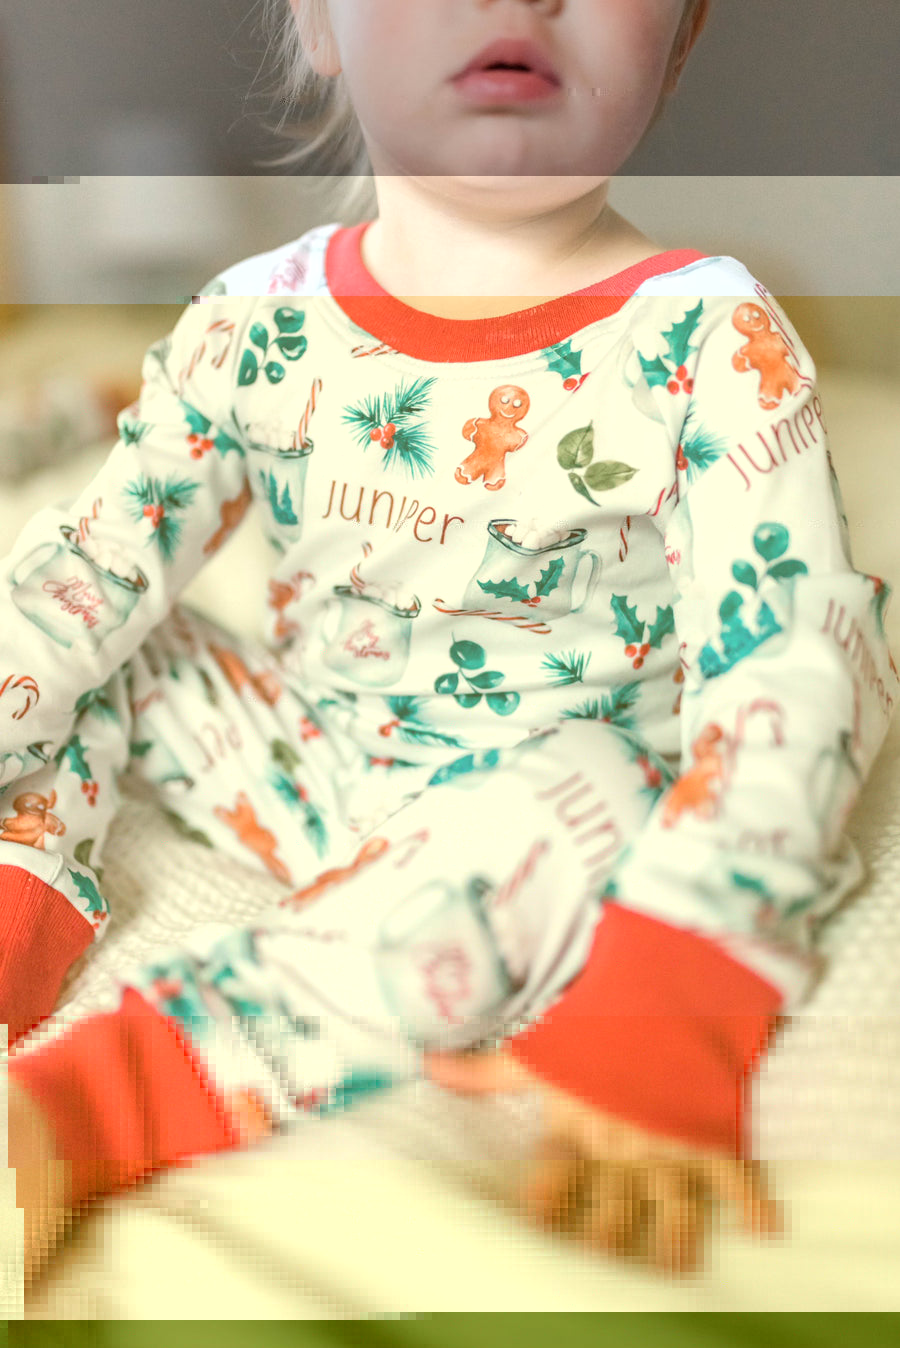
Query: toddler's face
[400, 57]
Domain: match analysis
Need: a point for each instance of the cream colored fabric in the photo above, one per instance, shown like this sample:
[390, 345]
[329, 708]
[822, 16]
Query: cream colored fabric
[398, 1205]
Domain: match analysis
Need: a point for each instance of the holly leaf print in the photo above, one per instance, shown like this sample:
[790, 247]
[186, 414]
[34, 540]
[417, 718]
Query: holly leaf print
[656, 371]
[663, 626]
[628, 626]
[198, 423]
[549, 577]
[505, 589]
[680, 334]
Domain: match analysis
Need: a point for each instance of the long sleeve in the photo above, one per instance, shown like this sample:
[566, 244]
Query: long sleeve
[788, 694]
[84, 584]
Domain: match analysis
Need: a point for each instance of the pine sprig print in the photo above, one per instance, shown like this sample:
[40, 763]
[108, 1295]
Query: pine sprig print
[386, 419]
[699, 449]
[615, 707]
[158, 502]
[565, 669]
[411, 728]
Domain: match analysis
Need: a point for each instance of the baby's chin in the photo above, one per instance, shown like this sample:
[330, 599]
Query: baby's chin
[511, 182]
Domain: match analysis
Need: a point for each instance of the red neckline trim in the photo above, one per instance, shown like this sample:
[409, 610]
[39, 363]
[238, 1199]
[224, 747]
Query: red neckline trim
[427, 337]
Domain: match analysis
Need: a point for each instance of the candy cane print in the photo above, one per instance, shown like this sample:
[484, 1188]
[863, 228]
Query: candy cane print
[310, 408]
[382, 350]
[84, 524]
[23, 681]
[358, 582]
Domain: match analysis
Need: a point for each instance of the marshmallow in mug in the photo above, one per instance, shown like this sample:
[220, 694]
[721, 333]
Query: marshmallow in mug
[529, 534]
[107, 558]
[393, 595]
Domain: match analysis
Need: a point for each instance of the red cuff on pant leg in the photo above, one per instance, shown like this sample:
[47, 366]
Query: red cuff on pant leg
[124, 1096]
[661, 1028]
[41, 937]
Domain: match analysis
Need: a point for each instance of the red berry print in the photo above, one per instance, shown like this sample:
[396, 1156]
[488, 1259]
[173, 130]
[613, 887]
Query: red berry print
[387, 728]
[681, 381]
[631, 650]
[375, 435]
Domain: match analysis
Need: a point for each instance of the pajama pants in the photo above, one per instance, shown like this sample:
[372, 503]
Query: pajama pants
[425, 906]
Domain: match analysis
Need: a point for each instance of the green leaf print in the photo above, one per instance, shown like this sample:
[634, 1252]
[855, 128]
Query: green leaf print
[489, 678]
[274, 372]
[582, 490]
[289, 320]
[292, 348]
[745, 574]
[609, 475]
[503, 703]
[771, 541]
[467, 699]
[446, 683]
[467, 654]
[249, 369]
[576, 450]
[784, 570]
[259, 336]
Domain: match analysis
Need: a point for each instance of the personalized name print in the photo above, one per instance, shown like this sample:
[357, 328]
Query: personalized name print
[861, 655]
[782, 435]
[383, 503]
[603, 824]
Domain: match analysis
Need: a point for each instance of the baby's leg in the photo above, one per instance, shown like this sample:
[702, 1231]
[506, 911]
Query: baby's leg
[54, 819]
[459, 919]
[235, 759]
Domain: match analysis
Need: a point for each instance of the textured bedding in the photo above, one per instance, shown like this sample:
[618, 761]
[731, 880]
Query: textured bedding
[399, 1205]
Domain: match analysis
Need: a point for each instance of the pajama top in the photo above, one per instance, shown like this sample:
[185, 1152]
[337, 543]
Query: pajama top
[619, 505]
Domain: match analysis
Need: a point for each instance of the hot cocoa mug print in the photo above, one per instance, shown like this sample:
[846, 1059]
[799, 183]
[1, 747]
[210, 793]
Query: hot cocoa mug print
[439, 965]
[281, 474]
[65, 593]
[367, 638]
[515, 576]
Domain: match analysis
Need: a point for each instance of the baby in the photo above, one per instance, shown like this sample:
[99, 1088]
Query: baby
[570, 682]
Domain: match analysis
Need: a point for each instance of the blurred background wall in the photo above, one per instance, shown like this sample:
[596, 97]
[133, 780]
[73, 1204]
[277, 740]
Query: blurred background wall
[160, 239]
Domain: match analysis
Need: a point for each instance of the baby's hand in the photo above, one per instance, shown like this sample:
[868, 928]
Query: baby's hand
[611, 1185]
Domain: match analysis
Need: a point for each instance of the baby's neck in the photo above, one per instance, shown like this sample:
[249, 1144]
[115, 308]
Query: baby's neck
[616, 246]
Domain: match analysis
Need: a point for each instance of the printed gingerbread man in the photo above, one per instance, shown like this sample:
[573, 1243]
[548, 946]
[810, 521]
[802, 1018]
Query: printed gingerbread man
[242, 819]
[495, 437]
[768, 353]
[32, 820]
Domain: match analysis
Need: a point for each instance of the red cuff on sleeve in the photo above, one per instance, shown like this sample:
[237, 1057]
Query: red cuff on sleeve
[124, 1096]
[41, 937]
[660, 1028]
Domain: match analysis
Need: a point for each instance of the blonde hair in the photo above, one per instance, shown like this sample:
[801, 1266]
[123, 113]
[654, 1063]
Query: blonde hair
[332, 130]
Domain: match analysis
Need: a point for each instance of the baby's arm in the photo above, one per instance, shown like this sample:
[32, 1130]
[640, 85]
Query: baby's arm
[708, 926]
[85, 582]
